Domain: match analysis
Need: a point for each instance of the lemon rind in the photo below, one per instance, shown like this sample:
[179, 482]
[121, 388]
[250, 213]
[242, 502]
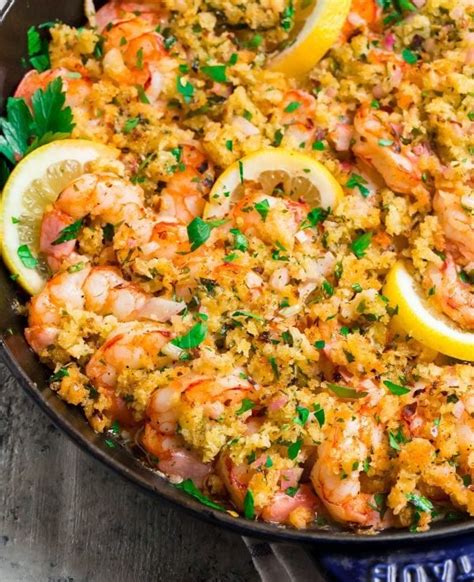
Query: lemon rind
[421, 323]
[11, 203]
[319, 33]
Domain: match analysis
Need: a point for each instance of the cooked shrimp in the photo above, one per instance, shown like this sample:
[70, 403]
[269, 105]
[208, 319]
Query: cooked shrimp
[76, 86]
[455, 211]
[336, 474]
[132, 346]
[102, 196]
[297, 114]
[213, 395]
[173, 458]
[450, 293]
[379, 146]
[465, 434]
[112, 11]
[183, 196]
[298, 510]
[363, 14]
[101, 290]
[278, 221]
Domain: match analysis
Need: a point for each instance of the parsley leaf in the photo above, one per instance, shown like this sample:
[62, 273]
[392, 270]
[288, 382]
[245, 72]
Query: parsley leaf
[288, 17]
[356, 181]
[200, 230]
[246, 405]
[51, 120]
[217, 73]
[314, 217]
[409, 56]
[185, 89]
[69, 232]
[195, 336]
[190, 488]
[396, 388]
[420, 502]
[294, 449]
[240, 240]
[249, 505]
[25, 256]
[345, 392]
[361, 244]
[263, 208]
[38, 52]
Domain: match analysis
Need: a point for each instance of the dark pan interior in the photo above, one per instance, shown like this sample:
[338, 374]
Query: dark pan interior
[15, 19]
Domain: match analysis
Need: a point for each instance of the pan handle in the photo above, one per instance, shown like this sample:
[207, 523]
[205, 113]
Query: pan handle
[450, 560]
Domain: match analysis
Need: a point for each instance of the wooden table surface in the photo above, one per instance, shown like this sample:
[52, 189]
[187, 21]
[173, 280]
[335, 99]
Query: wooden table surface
[66, 518]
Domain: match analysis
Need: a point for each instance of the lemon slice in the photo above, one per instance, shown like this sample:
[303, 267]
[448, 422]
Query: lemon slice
[299, 176]
[419, 320]
[34, 184]
[316, 29]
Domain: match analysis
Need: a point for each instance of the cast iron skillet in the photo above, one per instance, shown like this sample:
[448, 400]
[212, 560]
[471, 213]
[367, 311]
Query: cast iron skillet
[15, 18]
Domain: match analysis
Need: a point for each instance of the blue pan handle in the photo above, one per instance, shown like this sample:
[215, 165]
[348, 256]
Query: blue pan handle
[450, 560]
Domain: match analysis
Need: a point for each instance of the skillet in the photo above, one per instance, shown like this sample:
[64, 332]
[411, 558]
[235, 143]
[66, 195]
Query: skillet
[16, 16]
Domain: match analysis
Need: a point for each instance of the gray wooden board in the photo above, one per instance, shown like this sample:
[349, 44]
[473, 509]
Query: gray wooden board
[64, 517]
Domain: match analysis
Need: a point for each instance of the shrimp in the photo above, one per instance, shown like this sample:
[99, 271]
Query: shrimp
[183, 195]
[278, 221]
[465, 434]
[132, 346]
[100, 290]
[450, 293]
[297, 114]
[161, 436]
[455, 212]
[76, 86]
[363, 14]
[298, 510]
[112, 11]
[102, 196]
[380, 147]
[336, 474]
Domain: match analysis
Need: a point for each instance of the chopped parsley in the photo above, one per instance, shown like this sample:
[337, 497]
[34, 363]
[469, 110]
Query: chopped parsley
[409, 56]
[420, 502]
[361, 244]
[292, 106]
[294, 449]
[185, 89]
[314, 217]
[345, 392]
[217, 73]
[319, 414]
[130, 124]
[195, 336]
[249, 505]
[25, 256]
[246, 405]
[69, 232]
[190, 488]
[240, 240]
[199, 231]
[356, 181]
[288, 17]
[396, 388]
[263, 208]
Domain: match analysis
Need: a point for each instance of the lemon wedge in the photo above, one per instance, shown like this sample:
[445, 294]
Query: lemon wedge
[298, 175]
[34, 184]
[316, 29]
[419, 320]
